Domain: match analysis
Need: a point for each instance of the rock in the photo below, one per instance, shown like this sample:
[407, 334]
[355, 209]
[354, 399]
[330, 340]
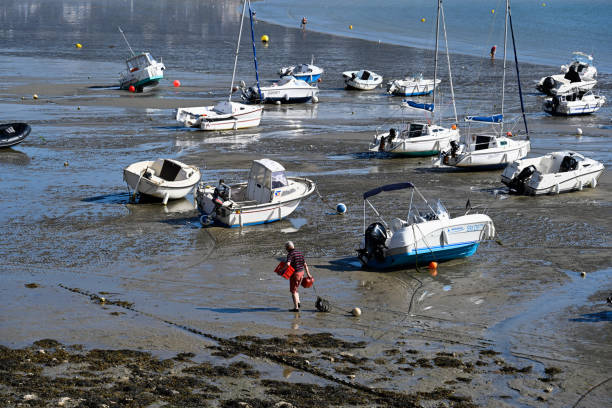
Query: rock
[29, 397]
[283, 404]
[351, 376]
[294, 350]
[63, 401]
[41, 351]
[244, 405]
[346, 354]
[548, 389]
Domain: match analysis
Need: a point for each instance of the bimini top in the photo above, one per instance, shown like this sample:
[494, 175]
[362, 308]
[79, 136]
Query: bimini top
[387, 187]
[488, 119]
[269, 164]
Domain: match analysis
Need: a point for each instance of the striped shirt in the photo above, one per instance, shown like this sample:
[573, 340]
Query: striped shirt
[296, 259]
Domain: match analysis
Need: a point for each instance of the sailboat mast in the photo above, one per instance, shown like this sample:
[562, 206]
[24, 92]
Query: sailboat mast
[254, 52]
[518, 76]
[450, 76]
[436, 55]
[126, 41]
[504, 64]
[237, 49]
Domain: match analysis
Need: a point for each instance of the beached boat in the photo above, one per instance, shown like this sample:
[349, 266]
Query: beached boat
[163, 178]
[287, 90]
[141, 70]
[306, 72]
[225, 115]
[363, 80]
[579, 74]
[573, 104]
[268, 196]
[13, 133]
[427, 234]
[494, 148]
[553, 173]
[412, 86]
[420, 138]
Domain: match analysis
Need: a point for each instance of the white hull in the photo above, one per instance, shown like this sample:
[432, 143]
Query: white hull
[356, 80]
[503, 151]
[563, 86]
[221, 116]
[584, 105]
[142, 71]
[549, 175]
[412, 86]
[435, 140]
[147, 177]
[287, 90]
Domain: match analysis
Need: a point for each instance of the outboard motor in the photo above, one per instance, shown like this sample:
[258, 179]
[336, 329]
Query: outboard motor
[518, 183]
[454, 148]
[375, 238]
[548, 84]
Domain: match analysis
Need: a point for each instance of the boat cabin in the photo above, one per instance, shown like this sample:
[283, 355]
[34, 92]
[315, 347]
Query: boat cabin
[139, 61]
[483, 142]
[267, 180]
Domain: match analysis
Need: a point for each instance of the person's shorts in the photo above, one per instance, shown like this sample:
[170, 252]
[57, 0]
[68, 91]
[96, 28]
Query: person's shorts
[295, 280]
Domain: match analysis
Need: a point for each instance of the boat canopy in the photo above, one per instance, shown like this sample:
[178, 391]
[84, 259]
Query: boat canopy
[387, 187]
[488, 119]
[582, 57]
[268, 173]
[416, 105]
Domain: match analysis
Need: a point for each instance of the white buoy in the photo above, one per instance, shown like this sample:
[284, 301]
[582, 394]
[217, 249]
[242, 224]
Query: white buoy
[356, 312]
[579, 131]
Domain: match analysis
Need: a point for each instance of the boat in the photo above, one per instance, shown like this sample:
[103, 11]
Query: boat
[553, 173]
[424, 137]
[225, 115]
[574, 103]
[579, 74]
[496, 147]
[287, 90]
[167, 179]
[412, 86]
[13, 133]
[268, 196]
[427, 234]
[142, 70]
[363, 80]
[306, 72]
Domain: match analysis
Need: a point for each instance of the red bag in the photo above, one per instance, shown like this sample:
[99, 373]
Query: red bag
[307, 281]
[287, 272]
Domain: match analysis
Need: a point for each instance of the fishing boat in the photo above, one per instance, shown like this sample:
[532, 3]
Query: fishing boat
[287, 90]
[495, 147]
[574, 103]
[553, 173]
[579, 74]
[13, 133]
[268, 196]
[226, 115]
[167, 179]
[363, 80]
[141, 70]
[424, 137]
[427, 234]
[412, 86]
[306, 72]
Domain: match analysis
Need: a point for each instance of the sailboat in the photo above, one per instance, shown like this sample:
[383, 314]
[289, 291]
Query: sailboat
[226, 115]
[420, 138]
[492, 149]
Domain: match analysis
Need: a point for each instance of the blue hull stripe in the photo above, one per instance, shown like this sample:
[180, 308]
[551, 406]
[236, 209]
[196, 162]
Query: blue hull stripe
[445, 253]
[414, 93]
[217, 223]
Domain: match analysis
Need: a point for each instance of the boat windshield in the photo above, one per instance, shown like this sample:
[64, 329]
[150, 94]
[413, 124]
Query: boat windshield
[441, 211]
[301, 69]
[139, 61]
[279, 179]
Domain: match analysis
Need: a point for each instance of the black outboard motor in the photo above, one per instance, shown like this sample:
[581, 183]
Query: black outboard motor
[517, 184]
[548, 84]
[375, 238]
[454, 148]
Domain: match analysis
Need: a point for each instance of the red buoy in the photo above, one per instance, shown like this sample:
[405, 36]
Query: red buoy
[177, 83]
[132, 88]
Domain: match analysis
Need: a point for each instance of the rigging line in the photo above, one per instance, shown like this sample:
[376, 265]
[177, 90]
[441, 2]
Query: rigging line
[254, 52]
[450, 76]
[237, 49]
[518, 76]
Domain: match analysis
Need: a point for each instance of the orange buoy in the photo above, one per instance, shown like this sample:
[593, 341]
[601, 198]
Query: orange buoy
[132, 88]
[509, 134]
[454, 127]
[433, 265]
[176, 83]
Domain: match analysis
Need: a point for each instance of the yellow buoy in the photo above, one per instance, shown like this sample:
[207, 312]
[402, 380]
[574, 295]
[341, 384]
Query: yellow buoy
[265, 38]
[543, 4]
[350, 27]
[356, 312]
[34, 96]
[423, 20]
[492, 11]
[78, 45]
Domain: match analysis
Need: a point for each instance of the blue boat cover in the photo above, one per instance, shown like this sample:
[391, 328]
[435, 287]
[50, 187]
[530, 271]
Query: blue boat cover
[388, 187]
[424, 106]
[489, 119]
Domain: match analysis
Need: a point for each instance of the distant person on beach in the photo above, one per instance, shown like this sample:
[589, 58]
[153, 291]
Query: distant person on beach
[304, 22]
[493, 49]
[295, 258]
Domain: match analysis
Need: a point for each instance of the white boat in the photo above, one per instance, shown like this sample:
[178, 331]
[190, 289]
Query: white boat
[363, 80]
[573, 104]
[420, 138]
[163, 178]
[427, 234]
[306, 72]
[225, 115]
[553, 173]
[287, 90]
[579, 74]
[493, 148]
[141, 70]
[413, 86]
[268, 196]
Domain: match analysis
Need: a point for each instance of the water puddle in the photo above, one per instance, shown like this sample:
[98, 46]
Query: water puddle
[296, 224]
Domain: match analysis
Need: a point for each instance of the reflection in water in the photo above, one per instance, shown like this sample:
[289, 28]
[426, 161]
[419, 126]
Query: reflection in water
[15, 157]
[293, 112]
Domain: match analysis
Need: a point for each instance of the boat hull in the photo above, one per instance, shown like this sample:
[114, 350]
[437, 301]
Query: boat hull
[12, 134]
[134, 176]
[488, 159]
[424, 255]
[411, 88]
[204, 118]
[585, 106]
[147, 77]
[420, 146]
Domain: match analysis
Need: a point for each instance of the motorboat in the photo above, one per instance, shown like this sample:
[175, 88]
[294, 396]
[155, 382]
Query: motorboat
[363, 80]
[579, 74]
[167, 179]
[142, 70]
[574, 103]
[13, 133]
[306, 72]
[427, 234]
[421, 137]
[225, 115]
[268, 196]
[287, 90]
[412, 86]
[553, 173]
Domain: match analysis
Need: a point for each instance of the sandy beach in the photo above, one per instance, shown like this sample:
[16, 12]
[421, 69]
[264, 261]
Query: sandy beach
[109, 303]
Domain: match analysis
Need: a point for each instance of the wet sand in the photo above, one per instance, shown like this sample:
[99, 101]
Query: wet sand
[513, 325]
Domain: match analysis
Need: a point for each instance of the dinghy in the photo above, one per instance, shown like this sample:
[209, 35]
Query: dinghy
[414, 86]
[13, 133]
[427, 234]
[306, 72]
[553, 173]
[363, 80]
[141, 70]
[268, 196]
[287, 90]
[163, 178]
[579, 74]
[573, 104]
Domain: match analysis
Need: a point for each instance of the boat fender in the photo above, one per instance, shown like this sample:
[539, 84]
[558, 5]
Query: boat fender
[593, 182]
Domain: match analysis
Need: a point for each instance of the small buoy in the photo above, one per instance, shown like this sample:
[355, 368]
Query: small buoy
[277, 102]
[78, 108]
[176, 83]
[356, 312]
[454, 127]
[65, 164]
[78, 45]
[492, 11]
[583, 274]
[543, 4]
[433, 265]
[35, 96]
[509, 134]
[315, 99]
[265, 38]
[578, 131]
[423, 20]
[132, 88]
[341, 208]
[350, 27]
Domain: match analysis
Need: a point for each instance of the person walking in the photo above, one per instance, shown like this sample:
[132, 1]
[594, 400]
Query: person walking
[304, 22]
[493, 49]
[295, 258]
